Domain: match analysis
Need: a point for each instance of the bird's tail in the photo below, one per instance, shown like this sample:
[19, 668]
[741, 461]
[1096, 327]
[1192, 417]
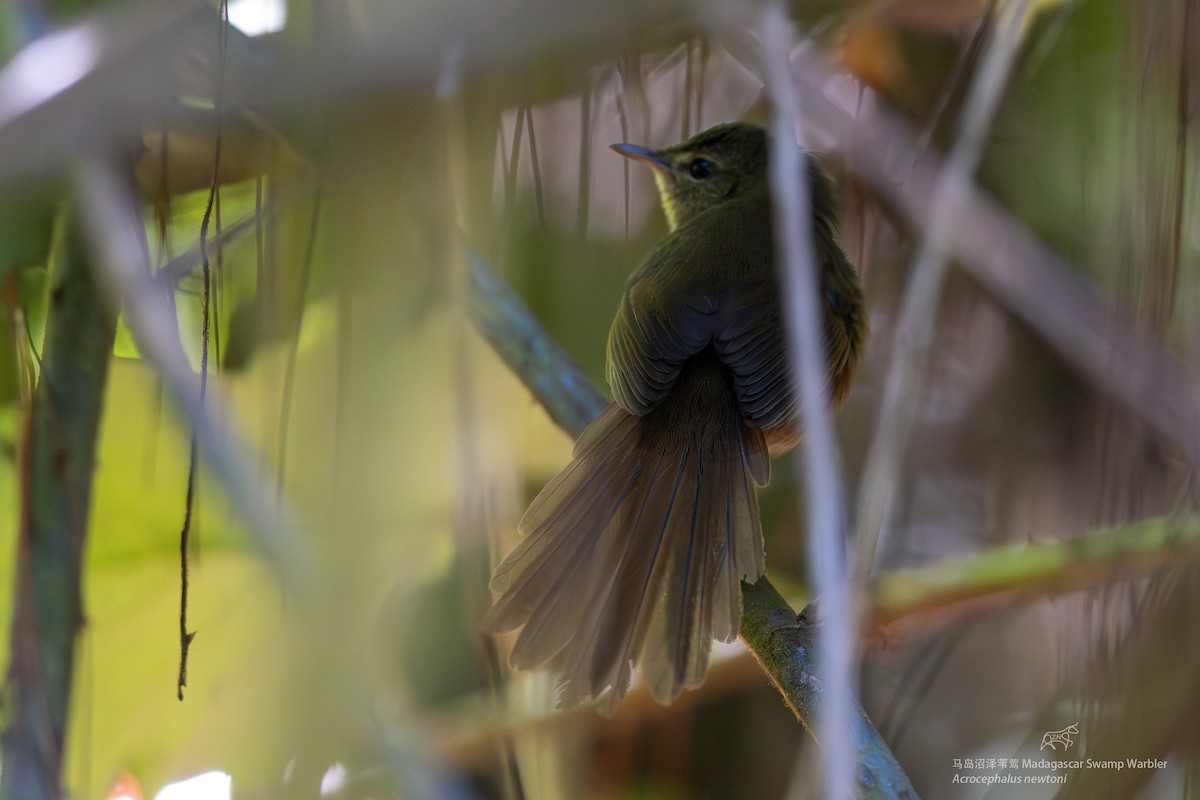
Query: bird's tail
[634, 554]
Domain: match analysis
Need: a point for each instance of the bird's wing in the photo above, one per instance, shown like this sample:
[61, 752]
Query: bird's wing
[656, 329]
[750, 340]
[700, 288]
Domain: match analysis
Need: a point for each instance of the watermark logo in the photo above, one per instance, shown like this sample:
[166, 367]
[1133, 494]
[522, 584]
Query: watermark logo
[1053, 739]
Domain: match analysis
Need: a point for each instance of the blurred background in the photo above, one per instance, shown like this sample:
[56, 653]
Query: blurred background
[344, 158]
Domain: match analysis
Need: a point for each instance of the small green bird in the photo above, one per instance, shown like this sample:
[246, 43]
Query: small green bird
[634, 554]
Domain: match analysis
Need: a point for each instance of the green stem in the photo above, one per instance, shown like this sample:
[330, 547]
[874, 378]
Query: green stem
[57, 465]
[1053, 566]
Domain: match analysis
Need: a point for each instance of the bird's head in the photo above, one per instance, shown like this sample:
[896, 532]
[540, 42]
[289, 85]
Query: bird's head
[715, 166]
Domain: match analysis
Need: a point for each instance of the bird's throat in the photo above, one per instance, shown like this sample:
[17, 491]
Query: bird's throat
[663, 182]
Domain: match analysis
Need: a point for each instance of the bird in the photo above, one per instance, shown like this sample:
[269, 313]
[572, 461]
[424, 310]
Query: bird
[633, 556]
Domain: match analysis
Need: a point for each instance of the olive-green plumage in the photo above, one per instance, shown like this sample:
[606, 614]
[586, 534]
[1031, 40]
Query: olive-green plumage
[634, 554]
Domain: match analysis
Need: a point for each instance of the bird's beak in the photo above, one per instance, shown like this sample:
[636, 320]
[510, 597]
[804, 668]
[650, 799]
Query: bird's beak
[653, 158]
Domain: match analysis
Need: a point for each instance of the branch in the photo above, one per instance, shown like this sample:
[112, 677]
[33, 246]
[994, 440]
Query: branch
[784, 645]
[1018, 270]
[963, 585]
[996, 249]
[913, 340]
[559, 384]
[130, 62]
[817, 457]
[112, 221]
[781, 641]
[57, 460]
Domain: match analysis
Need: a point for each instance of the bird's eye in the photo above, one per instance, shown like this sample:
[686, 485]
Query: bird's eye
[701, 168]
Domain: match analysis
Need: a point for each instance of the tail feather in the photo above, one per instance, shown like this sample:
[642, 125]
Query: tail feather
[598, 447]
[557, 524]
[569, 605]
[601, 655]
[634, 554]
[749, 549]
[622, 631]
[727, 590]
[662, 584]
[704, 598]
[681, 625]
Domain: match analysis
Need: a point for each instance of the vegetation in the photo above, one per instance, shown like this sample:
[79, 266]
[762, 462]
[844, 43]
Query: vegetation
[332, 294]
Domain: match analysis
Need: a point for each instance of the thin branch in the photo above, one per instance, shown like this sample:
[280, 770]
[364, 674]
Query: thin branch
[183, 265]
[536, 165]
[1183, 96]
[1000, 253]
[569, 396]
[1020, 272]
[909, 360]
[289, 368]
[207, 309]
[587, 98]
[954, 587]
[769, 626]
[685, 115]
[208, 314]
[113, 223]
[818, 456]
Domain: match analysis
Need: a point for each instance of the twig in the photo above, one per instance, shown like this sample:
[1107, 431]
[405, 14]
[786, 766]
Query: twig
[909, 361]
[587, 98]
[961, 585]
[113, 224]
[207, 313]
[1183, 98]
[536, 164]
[767, 621]
[818, 456]
[293, 352]
[1019, 271]
[182, 265]
[1000, 253]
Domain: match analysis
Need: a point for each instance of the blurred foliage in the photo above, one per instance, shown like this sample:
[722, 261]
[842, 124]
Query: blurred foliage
[347, 362]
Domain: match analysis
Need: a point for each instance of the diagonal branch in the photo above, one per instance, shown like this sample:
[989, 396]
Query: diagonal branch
[1019, 271]
[780, 640]
[962, 585]
[913, 341]
[559, 384]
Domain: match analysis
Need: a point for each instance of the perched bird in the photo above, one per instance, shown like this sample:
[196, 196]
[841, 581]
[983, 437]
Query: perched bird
[634, 554]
